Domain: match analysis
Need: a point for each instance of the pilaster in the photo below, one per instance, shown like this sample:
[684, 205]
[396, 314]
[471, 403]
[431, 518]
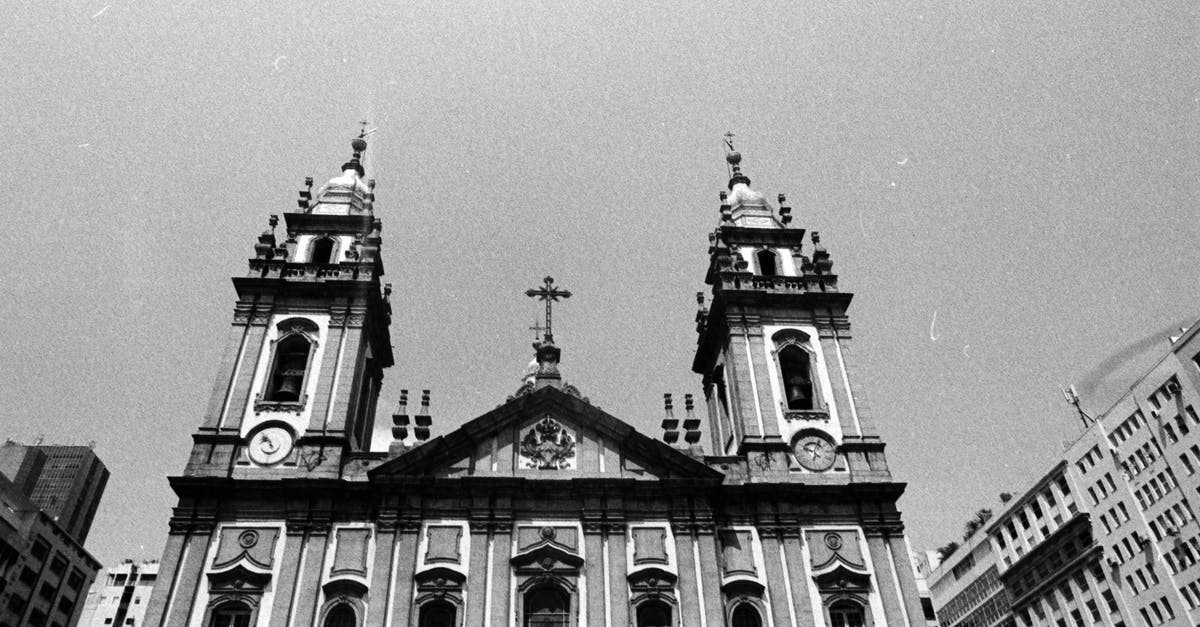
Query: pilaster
[287, 575]
[776, 587]
[381, 574]
[907, 579]
[501, 576]
[309, 579]
[706, 539]
[168, 571]
[885, 580]
[236, 342]
[188, 577]
[477, 581]
[689, 599]
[619, 567]
[799, 576]
[407, 535]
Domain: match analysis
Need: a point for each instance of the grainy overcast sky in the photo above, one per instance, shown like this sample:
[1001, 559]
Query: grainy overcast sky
[1009, 188]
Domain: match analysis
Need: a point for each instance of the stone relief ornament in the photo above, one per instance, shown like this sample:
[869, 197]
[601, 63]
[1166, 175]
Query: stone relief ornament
[548, 446]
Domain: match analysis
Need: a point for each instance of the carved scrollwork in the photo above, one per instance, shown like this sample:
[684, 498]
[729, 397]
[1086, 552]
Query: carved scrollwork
[548, 446]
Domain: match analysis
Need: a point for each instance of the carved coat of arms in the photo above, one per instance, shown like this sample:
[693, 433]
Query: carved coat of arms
[548, 446]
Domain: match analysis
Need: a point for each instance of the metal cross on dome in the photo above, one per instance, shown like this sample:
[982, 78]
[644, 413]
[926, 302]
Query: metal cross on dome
[550, 294]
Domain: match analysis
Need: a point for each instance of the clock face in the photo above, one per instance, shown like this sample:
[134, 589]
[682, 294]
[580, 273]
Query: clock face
[815, 452]
[270, 445]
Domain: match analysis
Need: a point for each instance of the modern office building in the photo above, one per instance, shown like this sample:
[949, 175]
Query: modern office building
[1109, 535]
[66, 482]
[44, 571]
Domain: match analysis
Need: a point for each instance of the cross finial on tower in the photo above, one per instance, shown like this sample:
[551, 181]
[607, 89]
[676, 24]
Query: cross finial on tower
[729, 140]
[363, 131]
[548, 293]
[537, 329]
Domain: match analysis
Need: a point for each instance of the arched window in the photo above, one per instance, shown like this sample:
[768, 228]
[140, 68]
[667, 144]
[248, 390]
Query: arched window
[230, 615]
[796, 373]
[846, 614]
[547, 606]
[322, 250]
[341, 616]
[291, 364]
[438, 614]
[745, 615]
[766, 262]
[654, 614]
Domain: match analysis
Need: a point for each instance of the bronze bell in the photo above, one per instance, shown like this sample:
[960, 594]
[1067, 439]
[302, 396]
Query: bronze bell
[799, 393]
[289, 385]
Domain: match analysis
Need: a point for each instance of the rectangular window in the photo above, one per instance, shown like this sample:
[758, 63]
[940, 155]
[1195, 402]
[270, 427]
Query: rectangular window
[1110, 601]
[41, 549]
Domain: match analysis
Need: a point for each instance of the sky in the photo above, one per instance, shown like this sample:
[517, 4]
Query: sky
[1009, 190]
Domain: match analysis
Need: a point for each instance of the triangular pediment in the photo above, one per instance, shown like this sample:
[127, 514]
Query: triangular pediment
[546, 434]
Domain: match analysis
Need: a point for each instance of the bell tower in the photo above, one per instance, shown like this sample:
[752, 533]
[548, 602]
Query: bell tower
[774, 346]
[304, 357]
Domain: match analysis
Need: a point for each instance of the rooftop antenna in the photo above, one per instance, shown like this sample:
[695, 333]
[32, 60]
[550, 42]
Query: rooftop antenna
[1073, 398]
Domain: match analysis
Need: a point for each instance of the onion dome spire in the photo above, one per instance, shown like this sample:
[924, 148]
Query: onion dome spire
[741, 205]
[358, 145]
[734, 159]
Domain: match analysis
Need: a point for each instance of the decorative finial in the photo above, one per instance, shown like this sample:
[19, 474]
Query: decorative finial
[734, 159]
[358, 145]
[550, 294]
[537, 329]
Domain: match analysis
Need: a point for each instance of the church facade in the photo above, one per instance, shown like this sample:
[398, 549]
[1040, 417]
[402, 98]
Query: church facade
[545, 511]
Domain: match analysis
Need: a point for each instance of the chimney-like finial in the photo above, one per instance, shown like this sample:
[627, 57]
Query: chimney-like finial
[423, 420]
[670, 423]
[400, 418]
[691, 424]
